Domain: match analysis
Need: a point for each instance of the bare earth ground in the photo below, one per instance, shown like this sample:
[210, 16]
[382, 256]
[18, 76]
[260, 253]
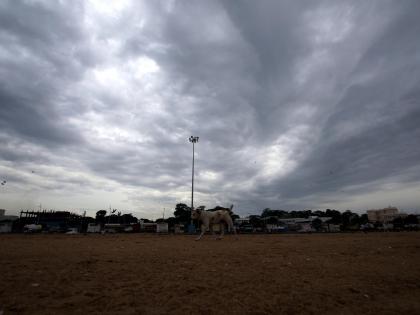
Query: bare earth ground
[376, 273]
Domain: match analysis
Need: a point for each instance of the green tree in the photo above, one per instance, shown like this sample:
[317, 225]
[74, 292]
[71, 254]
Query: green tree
[128, 218]
[272, 220]
[307, 213]
[363, 219]
[320, 213]
[100, 217]
[350, 220]
[411, 219]
[182, 213]
[267, 212]
[317, 224]
[171, 222]
[336, 217]
[255, 221]
[234, 217]
[113, 219]
[398, 223]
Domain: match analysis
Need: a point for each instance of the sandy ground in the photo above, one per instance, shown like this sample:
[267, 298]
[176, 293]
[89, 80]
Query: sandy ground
[258, 274]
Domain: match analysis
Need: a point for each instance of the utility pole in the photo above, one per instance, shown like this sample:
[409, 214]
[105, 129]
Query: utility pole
[193, 140]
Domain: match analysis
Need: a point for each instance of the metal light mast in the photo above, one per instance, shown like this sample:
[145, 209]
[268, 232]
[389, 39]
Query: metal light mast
[193, 140]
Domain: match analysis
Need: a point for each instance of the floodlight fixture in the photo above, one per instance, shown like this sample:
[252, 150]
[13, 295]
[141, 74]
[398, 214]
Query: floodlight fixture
[193, 139]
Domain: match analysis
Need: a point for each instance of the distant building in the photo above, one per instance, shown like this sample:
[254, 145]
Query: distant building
[4, 217]
[6, 221]
[6, 227]
[332, 228]
[162, 227]
[53, 221]
[296, 224]
[384, 215]
[179, 229]
[239, 221]
[93, 228]
[148, 226]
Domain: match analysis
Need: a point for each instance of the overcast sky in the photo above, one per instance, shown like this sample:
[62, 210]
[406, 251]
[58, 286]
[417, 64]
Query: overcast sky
[298, 104]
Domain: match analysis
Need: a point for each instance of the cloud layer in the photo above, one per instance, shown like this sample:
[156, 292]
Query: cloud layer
[297, 104]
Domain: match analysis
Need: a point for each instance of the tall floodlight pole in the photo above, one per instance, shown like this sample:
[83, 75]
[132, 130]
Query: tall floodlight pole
[193, 140]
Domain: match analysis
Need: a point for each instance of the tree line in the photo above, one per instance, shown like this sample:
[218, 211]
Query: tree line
[347, 220]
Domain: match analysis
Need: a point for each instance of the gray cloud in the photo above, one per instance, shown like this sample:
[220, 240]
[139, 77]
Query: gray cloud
[296, 104]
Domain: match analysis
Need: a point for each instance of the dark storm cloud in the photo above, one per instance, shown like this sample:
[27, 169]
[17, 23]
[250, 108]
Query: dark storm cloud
[39, 44]
[294, 102]
[373, 132]
[386, 106]
[275, 36]
[34, 120]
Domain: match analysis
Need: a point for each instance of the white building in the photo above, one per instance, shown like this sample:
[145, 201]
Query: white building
[384, 215]
[162, 227]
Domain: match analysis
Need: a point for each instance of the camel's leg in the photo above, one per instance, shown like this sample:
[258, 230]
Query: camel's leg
[231, 226]
[222, 230]
[203, 230]
[212, 231]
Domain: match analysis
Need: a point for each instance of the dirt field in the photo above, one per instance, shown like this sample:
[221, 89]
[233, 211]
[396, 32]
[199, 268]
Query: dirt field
[258, 274]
